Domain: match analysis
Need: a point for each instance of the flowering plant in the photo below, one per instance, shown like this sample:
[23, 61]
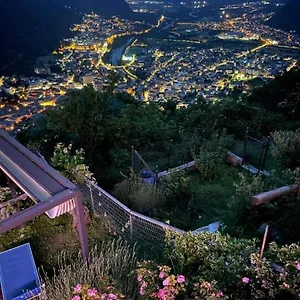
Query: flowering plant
[71, 163]
[84, 292]
[158, 282]
[208, 291]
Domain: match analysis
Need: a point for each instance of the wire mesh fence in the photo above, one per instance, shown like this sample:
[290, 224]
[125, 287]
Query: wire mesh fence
[122, 221]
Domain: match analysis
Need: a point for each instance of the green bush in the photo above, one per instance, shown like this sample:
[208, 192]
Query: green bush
[286, 148]
[212, 154]
[234, 267]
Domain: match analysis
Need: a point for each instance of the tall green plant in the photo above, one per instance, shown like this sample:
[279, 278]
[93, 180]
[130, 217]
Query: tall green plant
[114, 260]
[139, 195]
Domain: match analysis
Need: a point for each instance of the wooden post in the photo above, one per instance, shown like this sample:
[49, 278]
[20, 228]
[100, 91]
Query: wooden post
[144, 163]
[81, 227]
[245, 147]
[274, 194]
[266, 150]
[264, 242]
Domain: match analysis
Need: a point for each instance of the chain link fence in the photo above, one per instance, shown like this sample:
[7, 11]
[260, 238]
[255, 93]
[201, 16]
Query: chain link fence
[122, 221]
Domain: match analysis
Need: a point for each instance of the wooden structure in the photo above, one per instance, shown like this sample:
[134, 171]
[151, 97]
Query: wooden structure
[52, 193]
[275, 194]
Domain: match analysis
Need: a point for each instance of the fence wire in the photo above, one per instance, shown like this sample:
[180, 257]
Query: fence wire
[122, 221]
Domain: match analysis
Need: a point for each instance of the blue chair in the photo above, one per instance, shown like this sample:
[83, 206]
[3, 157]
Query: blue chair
[19, 277]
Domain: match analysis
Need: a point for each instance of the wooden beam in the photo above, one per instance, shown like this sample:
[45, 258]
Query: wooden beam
[275, 194]
[30, 213]
[145, 164]
[13, 200]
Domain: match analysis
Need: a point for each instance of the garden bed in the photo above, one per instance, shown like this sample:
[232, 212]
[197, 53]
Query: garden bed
[197, 202]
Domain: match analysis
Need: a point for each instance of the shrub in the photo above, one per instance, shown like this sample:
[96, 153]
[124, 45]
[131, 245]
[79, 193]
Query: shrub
[210, 256]
[71, 166]
[105, 292]
[157, 282]
[138, 195]
[175, 185]
[240, 204]
[207, 290]
[212, 154]
[286, 148]
[115, 261]
[215, 264]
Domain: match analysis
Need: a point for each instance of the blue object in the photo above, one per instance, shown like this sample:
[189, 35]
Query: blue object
[213, 228]
[150, 180]
[146, 174]
[18, 274]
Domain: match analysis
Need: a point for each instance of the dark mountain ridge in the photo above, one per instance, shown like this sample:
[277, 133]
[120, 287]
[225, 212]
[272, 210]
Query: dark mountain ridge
[288, 17]
[34, 27]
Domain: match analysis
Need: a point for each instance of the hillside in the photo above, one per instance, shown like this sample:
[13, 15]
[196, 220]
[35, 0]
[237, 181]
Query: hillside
[287, 18]
[31, 27]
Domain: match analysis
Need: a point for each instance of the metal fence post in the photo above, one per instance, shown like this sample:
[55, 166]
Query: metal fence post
[91, 195]
[131, 226]
[245, 147]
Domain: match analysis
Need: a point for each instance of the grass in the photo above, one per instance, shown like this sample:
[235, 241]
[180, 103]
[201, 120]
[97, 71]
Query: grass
[139, 196]
[48, 238]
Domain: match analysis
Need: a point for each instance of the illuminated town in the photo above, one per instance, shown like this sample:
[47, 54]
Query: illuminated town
[212, 57]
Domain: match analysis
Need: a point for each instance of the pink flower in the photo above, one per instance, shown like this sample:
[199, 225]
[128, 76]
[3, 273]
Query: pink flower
[144, 284]
[112, 296]
[142, 291]
[139, 278]
[161, 274]
[180, 279]
[78, 288]
[76, 298]
[92, 292]
[298, 266]
[286, 285]
[161, 294]
[103, 296]
[166, 281]
[245, 280]
[220, 294]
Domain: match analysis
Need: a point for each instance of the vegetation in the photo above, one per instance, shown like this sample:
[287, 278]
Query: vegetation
[139, 196]
[111, 264]
[205, 266]
[286, 148]
[234, 267]
[47, 237]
